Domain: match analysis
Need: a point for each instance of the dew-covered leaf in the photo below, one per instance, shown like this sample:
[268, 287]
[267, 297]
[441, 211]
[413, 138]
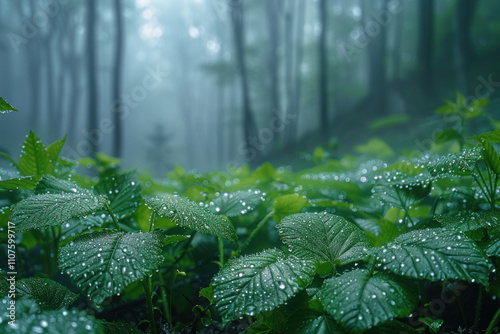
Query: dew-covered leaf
[52, 185]
[191, 215]
[491, 137]
[287, 205]
[25, 182]
[5, 107]
[491, 157]
[54, 149]
[359, 300]
[34, 159]
[434, 254]
[259, 282]
[472, 221]
[309, 321]
[400, 190]
[53, 209]
[52, 322]
[48, 294]
[323, 237]
[123, 192]
[103, 263]
[236, 203]
[462, 163]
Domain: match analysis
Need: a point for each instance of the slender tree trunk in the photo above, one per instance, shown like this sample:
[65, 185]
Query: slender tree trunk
[323, 70]
[425, 45]
[272, 14]
[91, 76]
[398, 32]
[297, 81]
[117, 78]
[289, 55]
[249, 126]
[464, 52]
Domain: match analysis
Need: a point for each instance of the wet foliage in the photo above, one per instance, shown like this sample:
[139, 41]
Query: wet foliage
[351, 245]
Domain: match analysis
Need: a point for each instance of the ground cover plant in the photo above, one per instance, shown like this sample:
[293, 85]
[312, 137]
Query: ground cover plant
[355, 244]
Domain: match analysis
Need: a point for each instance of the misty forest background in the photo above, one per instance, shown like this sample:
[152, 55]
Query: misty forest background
[208, 84]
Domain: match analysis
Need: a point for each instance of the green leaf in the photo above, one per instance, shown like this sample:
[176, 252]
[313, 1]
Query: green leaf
[447, 135]
[103, 263]
[123, 192]
[491, 157]
[49, 184]
[388, 232]
[34, 158]
[376, 147]
[53, 209]
[25, 182]
[172, 239]
[54, 150]
[48, 294]
[462, 163]
[322, 237]
[472, 221]
[390, 120]
[490, 137]
[258, 328]
[236, 203]
[5, 107]
[52, 322]
[189, 214]
[309, 321]
[259, 282]
[434, 254]
[4, 285]
[359, 300]
[287, 205]
[400, 190]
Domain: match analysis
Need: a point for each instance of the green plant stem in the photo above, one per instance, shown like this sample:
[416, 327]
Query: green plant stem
[112, 216]
[255, 231]
[478, 306]
[170, 298]
[149, 301]
[166, 309]
[221, 252]
[493, 322]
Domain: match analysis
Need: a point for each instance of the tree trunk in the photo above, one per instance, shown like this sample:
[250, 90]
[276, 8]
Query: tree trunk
[377, 83]
[91, 77]
[250, 151]
[425, 45]
[272, 12]
[464, 52]
[292, 133]
[323, 70]
[117, 78]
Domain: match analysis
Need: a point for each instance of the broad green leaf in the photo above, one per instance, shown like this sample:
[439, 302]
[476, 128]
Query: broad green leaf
[491, 157]
[191, 215]
[309, 321]
[388, 232]
[103, 263]
[49, 184]
[286, 205]
[258, 328]
[359, 300]
[25, 182]
[434, 254]
[52, 322]
[54, 150]
[472, 221]
[48, 294]
[322, 237]
[123, 192]
[236, 203]
[5, 107]
[172, 239]
[400, 190]
[490, 137]
[34, 159]
[462, 163]
[259, 282]
[53, 209]
[393, 327]
[447, 135]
